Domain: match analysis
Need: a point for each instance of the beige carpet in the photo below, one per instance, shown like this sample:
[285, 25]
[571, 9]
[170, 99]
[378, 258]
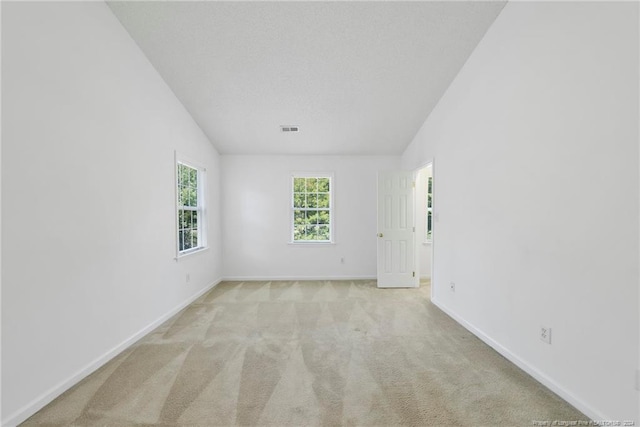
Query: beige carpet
[306, 354]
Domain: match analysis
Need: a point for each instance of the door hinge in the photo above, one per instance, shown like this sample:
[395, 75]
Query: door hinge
[414, 229]
[413, 184]
[414, 274]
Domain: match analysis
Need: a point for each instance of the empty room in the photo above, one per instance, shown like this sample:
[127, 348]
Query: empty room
[320, 213]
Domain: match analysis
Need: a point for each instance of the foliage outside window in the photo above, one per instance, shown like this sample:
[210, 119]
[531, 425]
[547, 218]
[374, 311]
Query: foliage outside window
[429, 207]
[190, 208]
[311, 203]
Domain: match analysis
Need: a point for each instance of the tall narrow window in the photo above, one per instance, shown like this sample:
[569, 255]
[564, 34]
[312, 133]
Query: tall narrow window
[311, 203]
[429, 207]
[190, 208]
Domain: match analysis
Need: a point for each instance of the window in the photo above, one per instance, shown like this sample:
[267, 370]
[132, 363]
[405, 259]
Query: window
[311, 206]
[429, 207]
[190, 208]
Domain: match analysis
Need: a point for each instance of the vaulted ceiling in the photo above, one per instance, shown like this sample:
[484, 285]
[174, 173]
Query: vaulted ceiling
[356, 77]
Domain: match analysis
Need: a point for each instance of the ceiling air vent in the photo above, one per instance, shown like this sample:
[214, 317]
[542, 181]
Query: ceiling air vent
[289, 128]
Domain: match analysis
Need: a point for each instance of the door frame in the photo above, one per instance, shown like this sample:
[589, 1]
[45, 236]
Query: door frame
[421, 210]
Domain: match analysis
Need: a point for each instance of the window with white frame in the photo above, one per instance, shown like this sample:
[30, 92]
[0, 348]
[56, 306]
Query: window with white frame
[429, 208]
[190, 208]
[311, 208]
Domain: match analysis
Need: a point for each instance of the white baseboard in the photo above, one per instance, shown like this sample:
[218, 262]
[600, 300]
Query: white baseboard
[44, 399]
[293, 278]
[545, 380]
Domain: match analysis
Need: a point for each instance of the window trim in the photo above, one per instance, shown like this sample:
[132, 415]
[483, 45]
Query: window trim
[291, 225]
[201, 208]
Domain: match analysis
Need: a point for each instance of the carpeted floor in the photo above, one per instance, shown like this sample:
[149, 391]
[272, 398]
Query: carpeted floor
[305, 354]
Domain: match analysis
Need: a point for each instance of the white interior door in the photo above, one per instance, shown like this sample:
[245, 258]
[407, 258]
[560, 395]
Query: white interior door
[396, 231]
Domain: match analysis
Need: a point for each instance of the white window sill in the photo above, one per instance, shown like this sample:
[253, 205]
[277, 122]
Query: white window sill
[191, 252]
[307, 243]
[427, 243]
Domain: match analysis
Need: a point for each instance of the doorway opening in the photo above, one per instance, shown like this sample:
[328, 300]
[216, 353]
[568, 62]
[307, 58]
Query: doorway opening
[424, 220]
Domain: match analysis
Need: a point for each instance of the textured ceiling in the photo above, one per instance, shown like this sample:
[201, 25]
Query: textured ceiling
[357, 77]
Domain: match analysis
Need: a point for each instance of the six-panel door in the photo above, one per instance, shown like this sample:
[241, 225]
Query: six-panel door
[396, 230]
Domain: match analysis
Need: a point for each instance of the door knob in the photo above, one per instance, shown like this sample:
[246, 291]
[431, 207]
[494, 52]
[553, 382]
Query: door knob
[379, 234]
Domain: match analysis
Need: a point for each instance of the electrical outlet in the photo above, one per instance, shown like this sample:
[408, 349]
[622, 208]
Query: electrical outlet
[545, 334]
[188, 278]
[452, 286]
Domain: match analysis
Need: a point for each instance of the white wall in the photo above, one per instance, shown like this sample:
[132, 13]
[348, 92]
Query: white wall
[89, 131]
[256, 200]
[1, 418]
[424, 246]
[536, 157]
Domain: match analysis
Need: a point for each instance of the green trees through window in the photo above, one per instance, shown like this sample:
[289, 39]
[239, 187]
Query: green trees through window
[429, 208]
[189, 209]
[311, 209]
